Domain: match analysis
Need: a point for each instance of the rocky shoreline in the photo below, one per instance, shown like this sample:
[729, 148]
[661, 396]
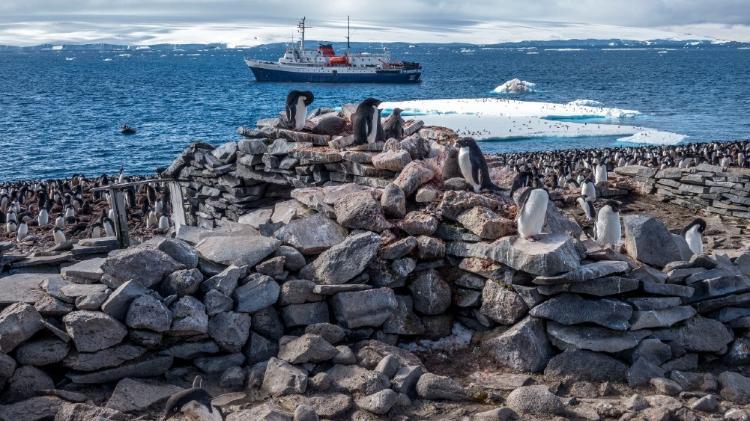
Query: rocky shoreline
[319, 280]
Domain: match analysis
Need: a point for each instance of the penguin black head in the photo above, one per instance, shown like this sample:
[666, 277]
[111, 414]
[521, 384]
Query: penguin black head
[396, 112]
[370, 102]
[699, 222]
[292, 96]
[465, 142]
[615, 205]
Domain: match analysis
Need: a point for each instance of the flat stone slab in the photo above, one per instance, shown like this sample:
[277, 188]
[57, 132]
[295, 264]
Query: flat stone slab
[238, 250]
[649, 319]
[21, 288]
[151, 366]
[602, 287]
[585, 272]
[135, 395]
[572, 309]
[593, 338]
[335, 289]
[44, 260]
[86, 270]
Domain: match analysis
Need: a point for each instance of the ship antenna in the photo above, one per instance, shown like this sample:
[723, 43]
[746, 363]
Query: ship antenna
[302, 30]
[347, 33]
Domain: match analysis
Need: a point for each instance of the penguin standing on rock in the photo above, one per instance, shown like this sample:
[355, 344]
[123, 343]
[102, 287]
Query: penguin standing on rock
[366, 122]
[393, 127]
[532, 212]
[587, 207]
[473, 165]
[608, 228]
[58, 235]
[693, 234]
[589, 190]
[193, 404]
[296, 108]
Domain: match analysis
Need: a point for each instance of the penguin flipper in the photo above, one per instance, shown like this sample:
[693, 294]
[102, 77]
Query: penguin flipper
[360, 129]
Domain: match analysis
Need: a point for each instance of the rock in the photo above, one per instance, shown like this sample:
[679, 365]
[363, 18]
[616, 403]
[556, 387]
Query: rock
[694, 381]
[238, 250]
[649, 319]
[344, 355]
[305, 314]
[50, 306]
[92, 331]
[497, 414]
[602, 287]
[132, 395]
[259, 348]
[355, 379]
[426, 194]
[364, 308]
[282, 378]
[653, 350]
[312, 234]
[331, 405]
[220, 363]
[118, 302]
[642, 371]
[419, 223]
[434, 387]
[189, 317]
[431, 294]
[144, 265]
[225, 281]
[182, 282]
[523, 347]
[359, 210]
[258, 293]
[665, 386]
[572, 309]
[393, 201]
[584, 273]
[178, 250]
[110, 357]
[708, 403]
[486, 224]
[331, 333]
[739, 352]
[18, 323]
[85, 271]
[501, 304]
[264, 412]
[216, 302]
[534, 400]
[41, 352]
[391, 160]
[413, 176]
[644, 235]
[403, 320]
[429, 248]
[84, 412]
[456, 202]
[735, 387]
[230, 330]
[147, 312]
[581, 365]
[405, 379]
[398, 249]
[25, 382]
[307, 348]
[298, 291]
[38, 408]
[549, 255]
[389, 365]
[698, 334]
[342, 262]
[305, 413]
[150, 366]
[378, 403]
[593, 338]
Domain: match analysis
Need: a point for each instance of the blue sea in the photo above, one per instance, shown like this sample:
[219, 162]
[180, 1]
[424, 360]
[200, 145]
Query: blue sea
[60, 110]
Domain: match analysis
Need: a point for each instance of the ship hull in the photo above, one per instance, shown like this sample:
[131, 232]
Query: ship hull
[270, 72]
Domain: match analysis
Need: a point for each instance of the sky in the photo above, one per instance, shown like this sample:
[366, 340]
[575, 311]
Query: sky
[253, 22]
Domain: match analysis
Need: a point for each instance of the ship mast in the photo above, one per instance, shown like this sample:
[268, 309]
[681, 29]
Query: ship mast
[301, 27]
[348, 47]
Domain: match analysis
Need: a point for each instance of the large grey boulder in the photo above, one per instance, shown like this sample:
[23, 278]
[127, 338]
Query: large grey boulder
[36, 408]
[523, 347]
[535, 400]
[379, 403]
[145, 265]
[648, 240]
[735, 387]
[18, 323]
[312, 234]
[224, 281]
[650, 319]
[435, 387]
[147, 312]
[118, 302]
[391, 160]
[110, 357]
[360, 210]
[238, 250]
[230, 330]
[412, 176]
[699, 334]
[593, 338]
[393, 201]
[40, 352]
[342, 262]
[582, 365]
[501, 304]
[189, 317]
[572, 309]
[307, 348]
[260, 292]
[431, 294]
[355, 379]
[182, 282]
[305, 314]
[149, 366]
[588, 272]
[403, 320]
[92, 330]
[85, 412]
[364, 308]
[486, 224]
[137, 395]
[179, 250]
[7, 367]
[282, 378]
[26, 382]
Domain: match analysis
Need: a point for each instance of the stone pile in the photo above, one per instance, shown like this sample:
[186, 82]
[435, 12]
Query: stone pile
[723, 191]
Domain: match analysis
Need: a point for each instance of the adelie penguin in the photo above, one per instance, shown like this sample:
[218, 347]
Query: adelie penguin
[366, 122]
[693, 234]
[296, 108]
[587, 206]
[393, 127]
[193, 404]
[608, 228]
[473, 166]
[532, 212]
[589, 190]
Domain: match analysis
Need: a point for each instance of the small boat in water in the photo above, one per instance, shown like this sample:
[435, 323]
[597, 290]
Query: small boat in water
[323, 65]
[125, 129]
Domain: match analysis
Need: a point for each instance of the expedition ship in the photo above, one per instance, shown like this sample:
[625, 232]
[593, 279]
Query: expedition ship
[323, 65]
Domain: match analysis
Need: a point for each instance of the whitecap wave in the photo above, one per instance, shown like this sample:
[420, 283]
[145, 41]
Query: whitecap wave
[654, 137]
[585, 102]
[515, 86]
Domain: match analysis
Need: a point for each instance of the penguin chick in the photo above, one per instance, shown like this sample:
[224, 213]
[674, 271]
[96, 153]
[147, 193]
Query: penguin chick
[393, 126]
[693, 234]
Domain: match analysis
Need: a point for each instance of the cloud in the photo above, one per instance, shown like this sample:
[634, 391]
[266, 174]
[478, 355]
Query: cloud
[249, 22]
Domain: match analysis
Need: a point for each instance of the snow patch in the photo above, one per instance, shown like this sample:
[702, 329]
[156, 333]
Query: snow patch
[585, 103]
[515, 86]
[460, 338]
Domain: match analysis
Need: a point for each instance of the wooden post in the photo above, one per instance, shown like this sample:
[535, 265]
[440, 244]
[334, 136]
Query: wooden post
[121, 217]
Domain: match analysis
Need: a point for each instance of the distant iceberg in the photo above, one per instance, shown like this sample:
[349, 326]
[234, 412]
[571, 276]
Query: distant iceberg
[585, 103]
[515, 86]
[654, 137]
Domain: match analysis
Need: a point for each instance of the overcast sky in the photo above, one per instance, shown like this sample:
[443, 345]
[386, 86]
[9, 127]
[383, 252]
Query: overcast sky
[250, 22]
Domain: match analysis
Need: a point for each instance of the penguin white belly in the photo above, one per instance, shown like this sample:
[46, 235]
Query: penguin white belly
[608, 229]
[532, 215]
[194, 411]
[300, 114]
[694, 240]
[589, 191]
[109, 229]
[371, 137]
[601, 174]
[464, 164]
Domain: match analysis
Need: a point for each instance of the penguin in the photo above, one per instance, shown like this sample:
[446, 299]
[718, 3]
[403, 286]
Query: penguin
[163, 223]
[532, 212]
[152, 221]
[589, 190]
[194, 404]
[109, 228]
[43, 218]
[600, 174]
[393, 126]
[450, 166]
[60, 222]
[296, 108]
[121, 177]
[96, 230]
[11, 226]
[608, 228]
[693, 235]
[522, 179]
[587, 207]
[22, 231]
[366, 122]
[58, 235]
[473, 165]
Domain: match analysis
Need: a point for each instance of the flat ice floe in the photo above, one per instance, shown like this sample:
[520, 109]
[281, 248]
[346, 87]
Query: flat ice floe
[497, 119]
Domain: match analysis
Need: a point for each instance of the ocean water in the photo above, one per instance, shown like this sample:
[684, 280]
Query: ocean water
[60, 110]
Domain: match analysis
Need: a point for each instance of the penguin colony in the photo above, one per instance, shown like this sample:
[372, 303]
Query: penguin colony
[53, 212]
